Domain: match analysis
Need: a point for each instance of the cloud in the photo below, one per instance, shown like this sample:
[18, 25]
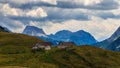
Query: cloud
[59, 15]
[7, 10]
[70, 4]
[88, 4]
[38, 12]
[50, 1]
[91, 2]
[21, 2]
[54, 15]
[13, 25]
[28, 3]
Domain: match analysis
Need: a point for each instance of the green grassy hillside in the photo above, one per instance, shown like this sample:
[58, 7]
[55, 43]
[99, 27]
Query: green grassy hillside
[10, 42]
[15, 50]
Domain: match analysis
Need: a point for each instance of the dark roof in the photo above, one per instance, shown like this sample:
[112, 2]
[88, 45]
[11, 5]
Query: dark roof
[66, 44]
[44, 43]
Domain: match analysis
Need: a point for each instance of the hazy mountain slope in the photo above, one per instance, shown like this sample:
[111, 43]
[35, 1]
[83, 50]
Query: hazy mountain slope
[63, 35]
[105, 44]
[82, 37]
[34, 31]
[47, 39]
[115, 45]
[3, 29]
[115, 35]
[79, 38]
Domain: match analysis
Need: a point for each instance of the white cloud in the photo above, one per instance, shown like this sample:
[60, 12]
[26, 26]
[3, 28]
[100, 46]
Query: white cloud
[14, 26]
[20, 27]
[6, 10]
[50, 1]
[38, 12]
[90, 2]
[116, 12]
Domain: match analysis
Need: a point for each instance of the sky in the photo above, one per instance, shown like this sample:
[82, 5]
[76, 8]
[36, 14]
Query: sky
[98, 17]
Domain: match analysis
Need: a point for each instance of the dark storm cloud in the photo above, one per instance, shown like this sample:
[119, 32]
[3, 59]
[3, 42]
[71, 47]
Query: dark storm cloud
[69, 4]
[55, 15]
[104, 5]
[63, 10]
[31, 5]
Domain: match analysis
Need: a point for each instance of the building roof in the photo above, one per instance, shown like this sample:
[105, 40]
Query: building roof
[66, 44]
[43, 44]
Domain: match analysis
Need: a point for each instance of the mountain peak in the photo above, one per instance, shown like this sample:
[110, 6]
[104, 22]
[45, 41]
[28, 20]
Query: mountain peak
[81, 31]
[33, 27]
[64, 32]
[34, 31]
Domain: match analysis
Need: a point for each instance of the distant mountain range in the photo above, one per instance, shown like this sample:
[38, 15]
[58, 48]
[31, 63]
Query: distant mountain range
[79, 38]
[33, 31]
[112, 43]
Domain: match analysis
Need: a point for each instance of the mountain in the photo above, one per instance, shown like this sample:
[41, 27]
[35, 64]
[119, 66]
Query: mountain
[4, 29]
[63, 35]
[115, 35]
[79, 38]
[115, 45]
[33, 31]
[47, 39]
[112, 42]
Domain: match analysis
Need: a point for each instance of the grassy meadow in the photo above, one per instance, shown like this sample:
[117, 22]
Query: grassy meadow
[15, 52]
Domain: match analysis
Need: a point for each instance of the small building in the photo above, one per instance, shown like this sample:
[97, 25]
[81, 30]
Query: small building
[47, 48]
[43, 45]
[65, 44]
[34, 48]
